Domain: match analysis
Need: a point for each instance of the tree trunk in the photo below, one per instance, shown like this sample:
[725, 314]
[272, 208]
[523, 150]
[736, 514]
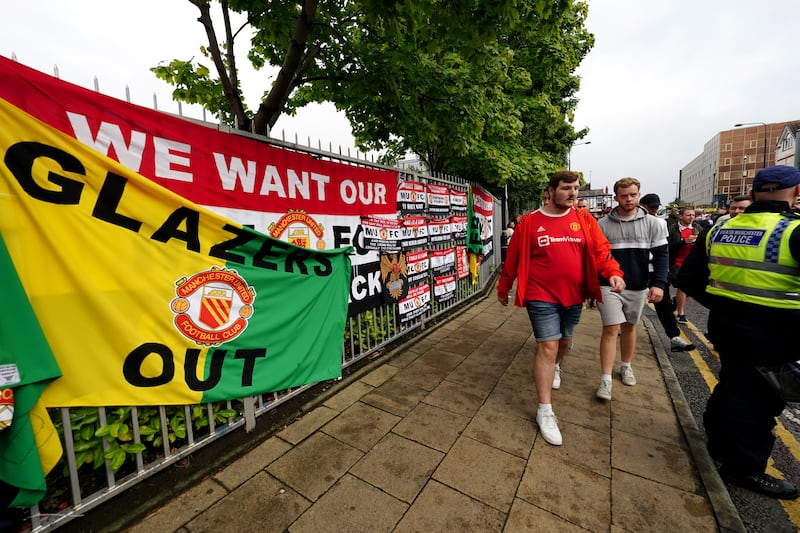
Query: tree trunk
[270, 109]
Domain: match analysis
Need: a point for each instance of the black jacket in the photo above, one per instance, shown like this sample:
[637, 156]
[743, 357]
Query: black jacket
[674, 240]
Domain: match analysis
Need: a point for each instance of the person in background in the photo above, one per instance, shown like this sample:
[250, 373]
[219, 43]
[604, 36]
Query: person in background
[702, 220]
[738, 205]
[556, 238]
[747, 273]
[506, 238]
[634, 236]
[721, 212]
[583, 203]
[672, 217]
[681, 239]
[651, 202]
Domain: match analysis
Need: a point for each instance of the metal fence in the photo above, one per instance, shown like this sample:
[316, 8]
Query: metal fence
[110, 449]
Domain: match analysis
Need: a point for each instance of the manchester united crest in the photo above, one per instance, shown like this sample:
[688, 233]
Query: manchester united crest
[300, 229]
[212, 307]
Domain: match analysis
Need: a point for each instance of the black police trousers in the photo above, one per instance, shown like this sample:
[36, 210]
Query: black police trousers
[740, 414]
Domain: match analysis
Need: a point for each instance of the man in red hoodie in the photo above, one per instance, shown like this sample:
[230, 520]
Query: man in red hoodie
[555, 256]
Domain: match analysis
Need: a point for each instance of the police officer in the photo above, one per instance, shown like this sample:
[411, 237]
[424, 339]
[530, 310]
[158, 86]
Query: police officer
[747, 272]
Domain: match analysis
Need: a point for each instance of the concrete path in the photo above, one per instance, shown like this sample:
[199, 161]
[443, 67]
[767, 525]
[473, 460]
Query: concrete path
[442, 437]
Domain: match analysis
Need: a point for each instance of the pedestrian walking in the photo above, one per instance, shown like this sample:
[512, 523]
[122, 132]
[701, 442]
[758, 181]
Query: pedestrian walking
[555, 256]
[505, 238]
[664, 311]
[682, 236]
[747, 273]
[635, 237]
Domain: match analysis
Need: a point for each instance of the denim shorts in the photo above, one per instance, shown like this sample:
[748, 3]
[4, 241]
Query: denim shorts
[553, 321]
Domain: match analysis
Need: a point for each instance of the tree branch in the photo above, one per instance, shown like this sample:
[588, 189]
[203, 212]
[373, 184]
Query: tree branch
[228, 85]
[270, 108]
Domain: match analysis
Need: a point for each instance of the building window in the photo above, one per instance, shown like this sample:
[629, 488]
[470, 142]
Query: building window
[788, 142]
[724, 190]
[726, 161]
[753, 143]
[728, 147]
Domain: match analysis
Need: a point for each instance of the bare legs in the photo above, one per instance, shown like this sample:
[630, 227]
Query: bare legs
[608, 345]
[548, 353]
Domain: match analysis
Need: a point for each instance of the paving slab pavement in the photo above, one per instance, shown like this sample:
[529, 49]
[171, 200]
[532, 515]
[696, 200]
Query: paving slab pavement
[442, 437]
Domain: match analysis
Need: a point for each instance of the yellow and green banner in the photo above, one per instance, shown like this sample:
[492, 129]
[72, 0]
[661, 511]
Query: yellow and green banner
[29, 444]
[146, 298]
[117, 291]
[137, 296]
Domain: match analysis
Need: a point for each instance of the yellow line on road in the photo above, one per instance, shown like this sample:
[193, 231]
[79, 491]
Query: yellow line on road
[792, 507]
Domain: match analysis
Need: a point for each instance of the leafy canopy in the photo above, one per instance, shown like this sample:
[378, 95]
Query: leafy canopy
[483, 90]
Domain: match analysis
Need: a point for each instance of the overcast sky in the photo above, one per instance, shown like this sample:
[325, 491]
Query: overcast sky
[663, 78]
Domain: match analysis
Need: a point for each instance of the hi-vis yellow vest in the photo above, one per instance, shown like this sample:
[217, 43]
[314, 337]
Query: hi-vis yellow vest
[749, 260]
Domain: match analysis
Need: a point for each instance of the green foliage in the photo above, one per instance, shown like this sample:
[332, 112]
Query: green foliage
[88, 434]
[482, 90]
[194, 85]
[371, 328]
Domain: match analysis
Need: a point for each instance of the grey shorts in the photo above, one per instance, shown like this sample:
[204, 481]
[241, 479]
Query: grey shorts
[625, 306]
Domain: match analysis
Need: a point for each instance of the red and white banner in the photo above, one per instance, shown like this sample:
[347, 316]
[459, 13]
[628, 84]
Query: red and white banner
[458, 201]
[415, 232]
[462, 262]
[483, 209]
[439, 230]
[209, 167]
[416, 303]
[418, 265]
[288, 194]
[444, 287]
[411, 197]
[438, 200]
[443, 261]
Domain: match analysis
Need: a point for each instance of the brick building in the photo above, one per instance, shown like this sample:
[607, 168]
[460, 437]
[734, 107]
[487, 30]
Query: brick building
[730, 160]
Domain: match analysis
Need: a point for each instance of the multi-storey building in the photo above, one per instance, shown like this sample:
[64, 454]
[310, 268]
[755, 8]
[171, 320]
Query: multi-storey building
[730, 160]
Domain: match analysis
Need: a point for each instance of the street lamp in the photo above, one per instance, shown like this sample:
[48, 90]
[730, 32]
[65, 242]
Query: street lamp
[569, 154]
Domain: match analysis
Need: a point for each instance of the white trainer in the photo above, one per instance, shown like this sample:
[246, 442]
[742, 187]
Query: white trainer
[626, 374]
[677, 344]
[548, 427]
[557, 378]
[604, 390]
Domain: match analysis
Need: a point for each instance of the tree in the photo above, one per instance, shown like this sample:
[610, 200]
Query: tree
[479, 89]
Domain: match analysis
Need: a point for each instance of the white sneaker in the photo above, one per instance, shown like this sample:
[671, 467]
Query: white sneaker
[626, 374]
[557, 378]
[604, 390]
[677, 344]
[548, 427]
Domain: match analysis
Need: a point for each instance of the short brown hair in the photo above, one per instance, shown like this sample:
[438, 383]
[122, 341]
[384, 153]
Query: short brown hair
[626, 182]
[742, 198]
[567, 176]
[684, 209]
